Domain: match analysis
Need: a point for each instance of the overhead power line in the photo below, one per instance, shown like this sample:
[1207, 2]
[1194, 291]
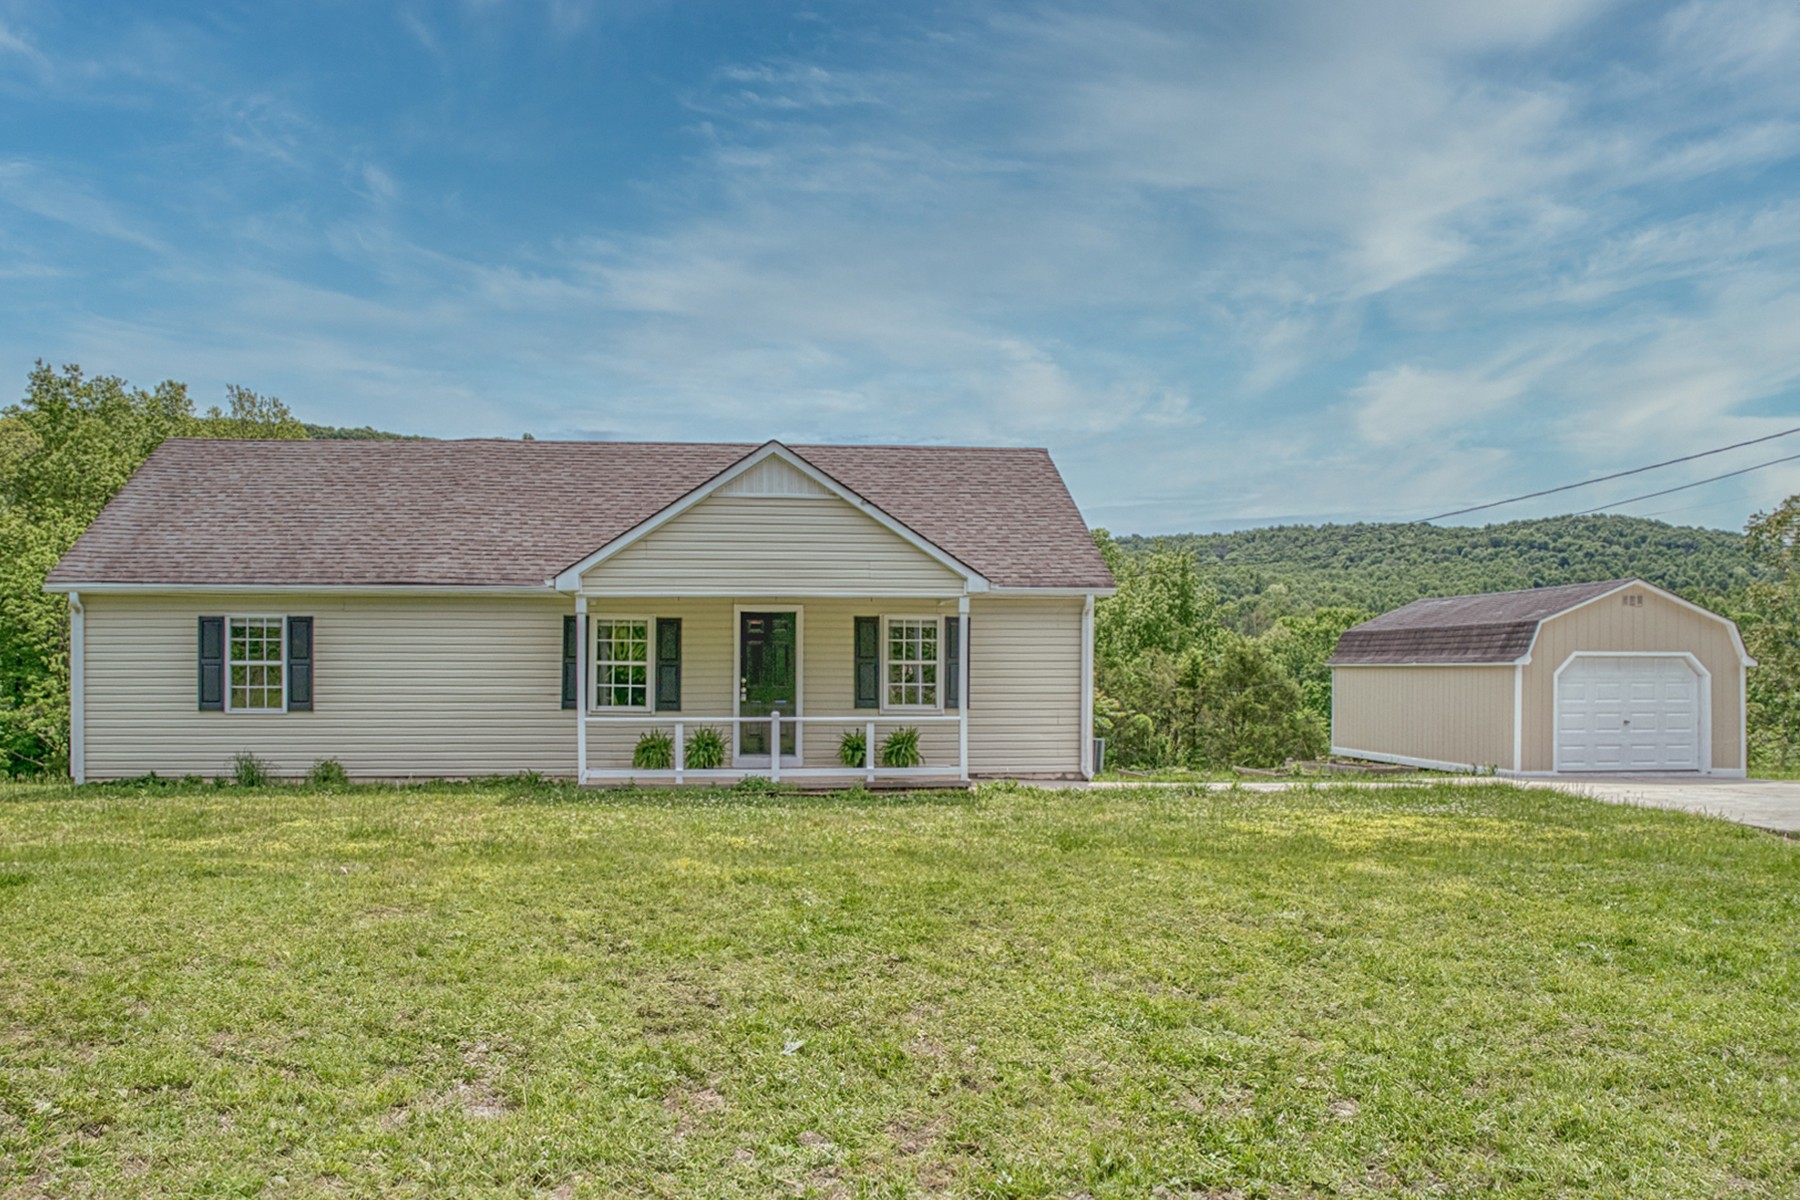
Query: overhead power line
[1567, 487]
[1684, 487]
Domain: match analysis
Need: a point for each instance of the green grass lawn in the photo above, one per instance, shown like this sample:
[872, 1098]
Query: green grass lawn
[516, 990]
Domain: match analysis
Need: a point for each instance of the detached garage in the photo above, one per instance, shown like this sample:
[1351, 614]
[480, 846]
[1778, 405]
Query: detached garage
[1616, 677]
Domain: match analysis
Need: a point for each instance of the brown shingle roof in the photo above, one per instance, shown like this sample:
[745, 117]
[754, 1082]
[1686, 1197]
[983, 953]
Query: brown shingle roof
[1493, 628]
[513, 514]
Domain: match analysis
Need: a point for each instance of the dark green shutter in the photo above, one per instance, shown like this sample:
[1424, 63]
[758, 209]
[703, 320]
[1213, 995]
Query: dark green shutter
[668, 664]
[953, 662]
[299, 664]
[571, 661]
[212, 664]
[868, 662]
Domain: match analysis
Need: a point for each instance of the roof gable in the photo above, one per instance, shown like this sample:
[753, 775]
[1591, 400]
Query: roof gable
[1495, 628]
[774, 476]
[756, 545]
[770, 465]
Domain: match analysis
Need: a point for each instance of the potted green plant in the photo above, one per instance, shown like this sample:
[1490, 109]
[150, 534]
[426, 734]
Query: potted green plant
[706, 750]
[901, 748]
[655, 751]
[853, 748]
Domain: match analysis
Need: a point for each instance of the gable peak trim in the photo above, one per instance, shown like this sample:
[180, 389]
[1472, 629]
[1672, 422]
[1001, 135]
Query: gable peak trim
[569, 579]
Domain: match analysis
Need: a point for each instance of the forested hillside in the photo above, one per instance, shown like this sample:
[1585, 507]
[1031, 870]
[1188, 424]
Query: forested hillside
[1264, 574]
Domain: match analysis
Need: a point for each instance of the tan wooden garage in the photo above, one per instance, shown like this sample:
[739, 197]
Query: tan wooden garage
[1617, 677]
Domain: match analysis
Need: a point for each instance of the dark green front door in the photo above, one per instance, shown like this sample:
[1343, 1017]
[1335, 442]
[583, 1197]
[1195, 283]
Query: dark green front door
[766, 679]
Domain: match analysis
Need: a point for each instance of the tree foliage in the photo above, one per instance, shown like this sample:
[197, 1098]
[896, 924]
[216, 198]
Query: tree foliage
[1770, 622]
[65, 449]
[1176, 687]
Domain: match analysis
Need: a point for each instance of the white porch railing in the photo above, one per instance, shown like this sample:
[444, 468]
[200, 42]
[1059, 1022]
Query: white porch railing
[869, 772]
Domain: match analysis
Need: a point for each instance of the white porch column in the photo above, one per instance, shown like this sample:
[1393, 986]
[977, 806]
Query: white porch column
[581, 690]
[77, 689]
[962, 685]
[1087, 687]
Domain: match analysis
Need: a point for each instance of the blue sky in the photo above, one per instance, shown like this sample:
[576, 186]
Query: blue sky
[1234, 263]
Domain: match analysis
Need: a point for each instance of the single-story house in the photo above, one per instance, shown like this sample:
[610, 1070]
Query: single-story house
[418, 609]
[1617, 676]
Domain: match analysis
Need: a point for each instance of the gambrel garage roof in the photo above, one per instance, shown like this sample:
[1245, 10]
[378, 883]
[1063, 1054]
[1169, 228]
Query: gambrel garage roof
[1494, 628]
[490, 513]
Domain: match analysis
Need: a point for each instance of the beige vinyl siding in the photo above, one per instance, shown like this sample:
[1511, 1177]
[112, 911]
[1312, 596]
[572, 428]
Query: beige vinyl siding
[749, 545]
[1025, 687]
[422, 687]
[404, 687]
[1659, 624]
[1460, 715]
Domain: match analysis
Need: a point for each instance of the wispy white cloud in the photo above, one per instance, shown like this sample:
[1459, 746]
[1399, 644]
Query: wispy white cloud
[13, 42]
[1319, 258]
[30, 188]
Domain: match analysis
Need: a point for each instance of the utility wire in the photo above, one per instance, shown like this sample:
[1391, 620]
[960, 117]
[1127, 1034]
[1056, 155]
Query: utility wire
[1616, 475]
[1684, 487]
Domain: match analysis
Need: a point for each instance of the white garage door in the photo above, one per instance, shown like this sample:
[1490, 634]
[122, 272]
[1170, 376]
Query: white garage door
[1628, 714]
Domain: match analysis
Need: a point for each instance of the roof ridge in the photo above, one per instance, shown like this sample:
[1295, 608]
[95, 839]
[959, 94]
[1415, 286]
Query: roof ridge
[1552, 587]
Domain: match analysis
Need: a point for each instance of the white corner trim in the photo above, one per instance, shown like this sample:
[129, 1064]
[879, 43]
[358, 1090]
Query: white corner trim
[77, 688]
[1087, 688]
[569, 579]
[1518, 717]
[1743, 719]
[581, 687]
[962, 687]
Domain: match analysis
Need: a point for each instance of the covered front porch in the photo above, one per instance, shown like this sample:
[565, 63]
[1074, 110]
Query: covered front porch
[821, 690]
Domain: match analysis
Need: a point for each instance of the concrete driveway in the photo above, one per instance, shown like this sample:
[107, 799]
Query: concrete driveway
[1772, 804]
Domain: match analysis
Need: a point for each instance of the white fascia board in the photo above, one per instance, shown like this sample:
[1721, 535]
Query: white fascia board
[1053, 592]
[1737, 639]
[569, 579]
[1506, 662]
[297, 589]
[857, 593]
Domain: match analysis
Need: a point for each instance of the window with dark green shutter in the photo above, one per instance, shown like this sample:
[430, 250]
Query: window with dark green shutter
[299, 664]
[212, 664]
[868, 662]
[668, 664]
[571, 664]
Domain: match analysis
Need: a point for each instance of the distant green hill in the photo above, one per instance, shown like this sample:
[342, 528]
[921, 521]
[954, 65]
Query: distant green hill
[340, 433]
[1263, 573]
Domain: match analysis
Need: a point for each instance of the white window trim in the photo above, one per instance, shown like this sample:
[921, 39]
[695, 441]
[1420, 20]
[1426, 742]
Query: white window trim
[886, 621]
[226, 682]
[593, 684]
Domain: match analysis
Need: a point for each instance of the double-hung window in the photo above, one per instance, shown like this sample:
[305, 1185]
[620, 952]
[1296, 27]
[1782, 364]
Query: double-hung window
[621, 662]
[256, 664]
[914, 649]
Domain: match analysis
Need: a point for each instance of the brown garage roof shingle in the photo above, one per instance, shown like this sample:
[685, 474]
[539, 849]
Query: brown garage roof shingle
[513, 514]
[1493, 628]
